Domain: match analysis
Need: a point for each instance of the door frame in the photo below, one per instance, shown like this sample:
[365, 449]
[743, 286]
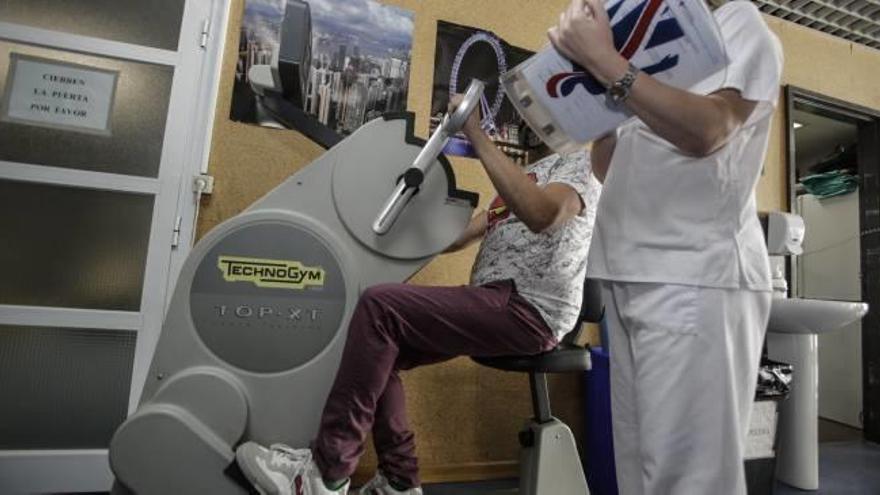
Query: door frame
[868, 121]
[197, 64]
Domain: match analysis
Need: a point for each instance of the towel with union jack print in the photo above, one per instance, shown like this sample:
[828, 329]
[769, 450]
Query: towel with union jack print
[676, 41]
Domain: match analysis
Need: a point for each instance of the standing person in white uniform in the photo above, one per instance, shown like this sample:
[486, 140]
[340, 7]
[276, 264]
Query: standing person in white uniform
[679, 247]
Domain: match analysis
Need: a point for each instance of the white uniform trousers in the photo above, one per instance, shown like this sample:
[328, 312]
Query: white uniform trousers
[684, 363]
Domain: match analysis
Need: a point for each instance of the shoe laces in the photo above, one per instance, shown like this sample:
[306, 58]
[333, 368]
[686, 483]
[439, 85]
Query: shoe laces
[286, 456]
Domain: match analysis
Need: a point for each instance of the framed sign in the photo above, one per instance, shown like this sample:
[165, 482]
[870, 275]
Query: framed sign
[60, 95]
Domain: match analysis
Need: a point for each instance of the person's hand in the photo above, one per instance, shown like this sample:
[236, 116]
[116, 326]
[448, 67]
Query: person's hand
[472, 124]
[584, 36]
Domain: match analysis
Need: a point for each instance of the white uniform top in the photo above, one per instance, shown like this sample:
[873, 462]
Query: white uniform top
[665, 217]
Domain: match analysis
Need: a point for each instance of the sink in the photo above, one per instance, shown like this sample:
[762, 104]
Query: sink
[793, 338]
[812, 316]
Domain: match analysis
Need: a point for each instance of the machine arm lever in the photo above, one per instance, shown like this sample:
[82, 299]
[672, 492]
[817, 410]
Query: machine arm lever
[412, 178]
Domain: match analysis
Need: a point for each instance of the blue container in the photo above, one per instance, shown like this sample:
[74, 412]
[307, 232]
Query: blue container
[598, 444]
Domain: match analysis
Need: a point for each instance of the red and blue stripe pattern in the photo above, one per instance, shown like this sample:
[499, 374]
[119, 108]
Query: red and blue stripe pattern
[629, 34]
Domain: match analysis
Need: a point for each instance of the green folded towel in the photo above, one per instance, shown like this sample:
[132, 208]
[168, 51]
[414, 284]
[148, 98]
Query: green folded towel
[829, 184]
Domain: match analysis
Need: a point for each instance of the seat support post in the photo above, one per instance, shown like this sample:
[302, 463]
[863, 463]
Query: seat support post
[540, 397]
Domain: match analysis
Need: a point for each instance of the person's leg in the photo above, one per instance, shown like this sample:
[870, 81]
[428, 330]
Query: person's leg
[394, 441]
[397, 326]
[746, 343]
[625, 420]
[692, 386]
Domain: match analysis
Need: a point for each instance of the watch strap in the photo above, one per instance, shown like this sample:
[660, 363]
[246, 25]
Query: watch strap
[620, 89]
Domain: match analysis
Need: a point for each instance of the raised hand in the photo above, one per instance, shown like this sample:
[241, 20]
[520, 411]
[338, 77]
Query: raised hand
[472, 124]
[584, 36]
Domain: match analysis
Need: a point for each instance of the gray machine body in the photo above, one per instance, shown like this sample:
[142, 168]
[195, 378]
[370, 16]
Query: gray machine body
[258, 320]
[551, 464]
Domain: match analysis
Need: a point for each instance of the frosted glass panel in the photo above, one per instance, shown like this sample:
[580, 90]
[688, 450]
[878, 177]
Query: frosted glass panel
[137, 120]
[72, 247]
[63, 388]
[153, 23]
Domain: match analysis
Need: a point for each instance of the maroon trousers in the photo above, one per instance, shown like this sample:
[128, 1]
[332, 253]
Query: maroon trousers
[398, 327]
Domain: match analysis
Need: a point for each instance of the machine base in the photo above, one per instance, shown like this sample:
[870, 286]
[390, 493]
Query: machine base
[549, 461]
[180, 440]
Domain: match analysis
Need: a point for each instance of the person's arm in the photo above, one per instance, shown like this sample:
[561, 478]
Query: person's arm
[475, 230]
[539, 208]
[697, 125]
[601, 153]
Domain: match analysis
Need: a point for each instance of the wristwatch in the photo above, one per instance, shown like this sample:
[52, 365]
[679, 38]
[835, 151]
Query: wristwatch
[620, 89]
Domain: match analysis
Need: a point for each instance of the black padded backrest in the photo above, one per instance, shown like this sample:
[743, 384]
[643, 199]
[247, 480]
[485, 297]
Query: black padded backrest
[592, 309]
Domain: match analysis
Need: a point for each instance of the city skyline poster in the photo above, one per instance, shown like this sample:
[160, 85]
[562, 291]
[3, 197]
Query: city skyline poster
[323, 67]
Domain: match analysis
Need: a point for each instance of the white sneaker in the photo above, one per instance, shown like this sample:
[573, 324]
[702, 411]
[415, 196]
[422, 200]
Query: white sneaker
[282, 470]
[379, 485]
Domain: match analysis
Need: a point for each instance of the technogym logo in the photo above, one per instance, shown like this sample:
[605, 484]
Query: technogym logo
[275, 274]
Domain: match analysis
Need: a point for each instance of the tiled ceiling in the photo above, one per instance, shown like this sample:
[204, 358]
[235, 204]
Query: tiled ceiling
[854, 20]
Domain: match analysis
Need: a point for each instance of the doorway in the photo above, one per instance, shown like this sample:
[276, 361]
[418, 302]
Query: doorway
[105, 118]
[833, 164]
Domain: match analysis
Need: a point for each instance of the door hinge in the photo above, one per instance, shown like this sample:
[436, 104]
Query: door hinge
[203, 184]
[206, 29]
[175, 234]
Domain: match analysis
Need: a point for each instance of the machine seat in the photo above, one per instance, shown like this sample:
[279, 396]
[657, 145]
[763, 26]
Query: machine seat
[565, 358]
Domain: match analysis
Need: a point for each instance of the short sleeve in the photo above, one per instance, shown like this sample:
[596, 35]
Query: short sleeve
[755, 54]
[575, 170]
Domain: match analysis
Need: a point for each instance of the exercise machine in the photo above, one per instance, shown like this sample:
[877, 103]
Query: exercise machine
[257, 323]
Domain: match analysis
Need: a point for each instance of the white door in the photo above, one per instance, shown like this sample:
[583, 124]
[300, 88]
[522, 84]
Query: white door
[105, 121]
[830, 268]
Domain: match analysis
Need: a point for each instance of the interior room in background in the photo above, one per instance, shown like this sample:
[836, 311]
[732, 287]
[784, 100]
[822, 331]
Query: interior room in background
[96, 228]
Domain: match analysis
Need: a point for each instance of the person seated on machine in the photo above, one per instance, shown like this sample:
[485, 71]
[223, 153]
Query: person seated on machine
[525, 293]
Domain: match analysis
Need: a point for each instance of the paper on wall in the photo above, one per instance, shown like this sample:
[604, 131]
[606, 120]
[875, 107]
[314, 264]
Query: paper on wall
[675, 41]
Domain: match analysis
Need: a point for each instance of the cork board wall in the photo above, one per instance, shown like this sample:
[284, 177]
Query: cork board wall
[465, 416]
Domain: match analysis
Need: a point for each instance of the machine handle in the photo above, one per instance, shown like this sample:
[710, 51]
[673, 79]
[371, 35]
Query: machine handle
[415, 174]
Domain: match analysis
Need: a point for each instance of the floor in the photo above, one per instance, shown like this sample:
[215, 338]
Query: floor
[832, 431]
[847, 466]
[504, 487]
